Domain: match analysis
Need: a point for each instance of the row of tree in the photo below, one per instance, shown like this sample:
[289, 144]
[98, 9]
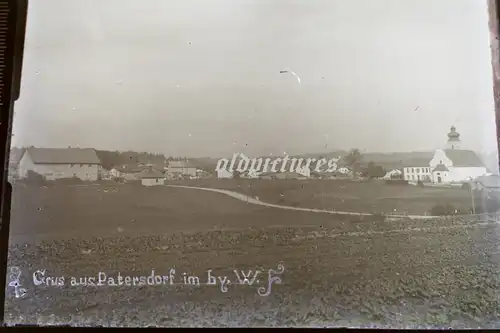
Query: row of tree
[110, 159]
[354, 160]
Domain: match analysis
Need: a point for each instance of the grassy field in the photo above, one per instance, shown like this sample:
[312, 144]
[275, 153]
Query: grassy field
[339, 271]
[343, 195]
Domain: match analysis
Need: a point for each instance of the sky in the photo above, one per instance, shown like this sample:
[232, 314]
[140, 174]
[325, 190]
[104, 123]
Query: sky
[202, 78]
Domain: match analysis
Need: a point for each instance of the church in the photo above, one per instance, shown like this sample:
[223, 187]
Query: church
[449, 165]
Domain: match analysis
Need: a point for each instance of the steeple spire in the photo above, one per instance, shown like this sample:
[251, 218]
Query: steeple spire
[453, 139]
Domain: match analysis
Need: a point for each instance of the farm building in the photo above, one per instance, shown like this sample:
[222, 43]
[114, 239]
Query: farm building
[131, 172]
[126, 172]
[486, 191]
[152, 177]
[487, 183]
[181, 168]
[223, 173]
[58, 163]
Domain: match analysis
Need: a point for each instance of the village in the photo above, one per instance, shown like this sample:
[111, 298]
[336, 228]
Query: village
[446, 166]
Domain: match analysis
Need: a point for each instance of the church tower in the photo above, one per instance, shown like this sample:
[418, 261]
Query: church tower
[453, 139]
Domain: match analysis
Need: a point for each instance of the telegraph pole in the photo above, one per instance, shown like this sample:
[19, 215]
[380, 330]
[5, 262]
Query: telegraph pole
[471, 189]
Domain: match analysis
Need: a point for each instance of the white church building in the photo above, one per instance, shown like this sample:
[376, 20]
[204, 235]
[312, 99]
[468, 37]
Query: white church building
[449, 165]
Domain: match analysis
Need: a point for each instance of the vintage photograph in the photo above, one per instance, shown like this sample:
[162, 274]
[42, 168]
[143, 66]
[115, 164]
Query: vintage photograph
[237, 163]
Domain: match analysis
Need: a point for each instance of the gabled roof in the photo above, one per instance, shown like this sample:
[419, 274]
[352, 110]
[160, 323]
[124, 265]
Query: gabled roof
[399, 159]
[492, 182]
[129, 169]
[180, 164]
[151, 173]
[440, 167]
[417, 163]
[136, 169]
[463, 158]
[63, 155]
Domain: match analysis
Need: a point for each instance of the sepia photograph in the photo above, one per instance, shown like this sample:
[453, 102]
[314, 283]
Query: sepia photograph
[265, 163]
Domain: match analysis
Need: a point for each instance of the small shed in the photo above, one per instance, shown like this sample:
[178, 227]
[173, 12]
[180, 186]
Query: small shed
[152, 177]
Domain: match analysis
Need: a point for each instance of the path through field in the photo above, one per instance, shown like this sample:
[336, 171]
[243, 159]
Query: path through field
[254, 201]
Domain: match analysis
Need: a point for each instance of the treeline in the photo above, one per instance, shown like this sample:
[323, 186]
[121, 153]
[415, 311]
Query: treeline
[111, 159]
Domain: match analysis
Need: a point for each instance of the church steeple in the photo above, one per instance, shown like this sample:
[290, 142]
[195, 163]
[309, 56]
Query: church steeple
[453, 139]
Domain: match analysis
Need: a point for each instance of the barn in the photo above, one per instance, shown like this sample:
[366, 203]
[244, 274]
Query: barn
[59, 163]
[152, 177]
[181, 168]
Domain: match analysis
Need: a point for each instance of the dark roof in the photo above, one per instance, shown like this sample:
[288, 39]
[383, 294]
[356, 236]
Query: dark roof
[151, 173]
[440, 167]
[63, 155]
[180, 164]
[399, 160]
[136, 169]
[463, 158]
[489, 181]
[129, 169]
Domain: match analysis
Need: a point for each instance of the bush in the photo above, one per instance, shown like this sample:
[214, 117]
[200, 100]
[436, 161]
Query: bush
[443, 210]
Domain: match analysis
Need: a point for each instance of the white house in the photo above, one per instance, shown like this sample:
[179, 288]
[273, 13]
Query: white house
[343, 170]
[393, 173]
[114, 173]
[181, 168]
[223, 173]
[58, 163]
[418, 171]
[152, 177]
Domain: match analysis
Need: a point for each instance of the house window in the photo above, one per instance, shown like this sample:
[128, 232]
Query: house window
[71, 165]
[418, 170]
[74, 174]
[81, 165]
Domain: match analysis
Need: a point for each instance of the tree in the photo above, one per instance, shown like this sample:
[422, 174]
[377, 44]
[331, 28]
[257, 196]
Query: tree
[375, 171]
[353, 160]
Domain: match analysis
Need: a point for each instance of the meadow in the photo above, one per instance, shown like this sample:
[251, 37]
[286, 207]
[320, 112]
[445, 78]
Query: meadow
[339, 270]
[343, 195]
